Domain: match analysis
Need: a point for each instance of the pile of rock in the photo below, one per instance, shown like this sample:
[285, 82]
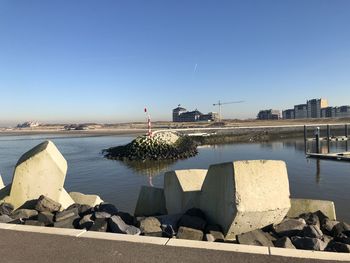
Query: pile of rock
[191, 225]
[161, 146]
[103, 217]
[309, 231]
[246, 202]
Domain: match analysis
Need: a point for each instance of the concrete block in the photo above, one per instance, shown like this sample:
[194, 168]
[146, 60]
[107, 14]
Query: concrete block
[300, 206]
[245, 195]
[182, 189]
[84, 199]
[40, 171]
[5, 193]
[65, 200]
[151, 202]
[1, 183]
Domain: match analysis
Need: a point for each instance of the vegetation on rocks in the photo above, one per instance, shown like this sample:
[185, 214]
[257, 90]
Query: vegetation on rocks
[154, 148]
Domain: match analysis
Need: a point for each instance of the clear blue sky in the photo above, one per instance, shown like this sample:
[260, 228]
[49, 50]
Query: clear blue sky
[104, 61]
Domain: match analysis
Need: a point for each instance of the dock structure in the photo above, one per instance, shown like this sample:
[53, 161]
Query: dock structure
[340, 156]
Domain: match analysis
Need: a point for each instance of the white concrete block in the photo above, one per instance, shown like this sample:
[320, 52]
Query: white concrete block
[300, 206]
[150, 202]
[245, 195]
[84, 199]
[182, 189]
[65, 199]
[1, 183]
[40, 171]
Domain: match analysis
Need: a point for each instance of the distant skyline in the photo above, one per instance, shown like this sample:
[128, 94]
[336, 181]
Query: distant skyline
[105, 61]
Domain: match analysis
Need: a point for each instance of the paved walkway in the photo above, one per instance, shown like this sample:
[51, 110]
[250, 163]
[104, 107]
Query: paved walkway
[16, 246]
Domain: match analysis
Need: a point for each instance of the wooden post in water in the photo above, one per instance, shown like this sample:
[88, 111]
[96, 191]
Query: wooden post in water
[317, 139]
[305, 139]
[328, 137]
[347, 137]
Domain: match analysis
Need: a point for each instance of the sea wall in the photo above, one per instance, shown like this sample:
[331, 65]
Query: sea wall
[244, 202]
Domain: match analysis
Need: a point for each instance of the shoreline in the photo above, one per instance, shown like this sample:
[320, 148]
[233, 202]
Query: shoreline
[83, 133]
[219, 135]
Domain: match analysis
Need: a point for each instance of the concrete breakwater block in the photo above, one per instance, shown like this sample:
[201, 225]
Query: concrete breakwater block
[151, 201]
[40, 171]
[243, 196]
[301, 206]
[182, 189]
[1, 183]
[84, 199]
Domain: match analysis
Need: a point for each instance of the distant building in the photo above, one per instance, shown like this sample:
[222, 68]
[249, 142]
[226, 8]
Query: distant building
[269, 115]
[314, 107]
[77, 127]
[28, 124]
[288, 114]
[211, 116]
[317, 108]
[177, 113]
[328, 112]
[182, 115]
[300, 111]
[342, 111]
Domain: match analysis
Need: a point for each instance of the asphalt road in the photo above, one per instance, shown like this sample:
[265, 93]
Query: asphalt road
[34, 247]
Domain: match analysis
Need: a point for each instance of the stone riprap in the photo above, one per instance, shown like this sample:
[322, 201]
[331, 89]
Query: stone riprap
[161, 146]
[245, 200]
[300, 206]
[40, 171]
[243, 196]
[151, 201]
[182, 189]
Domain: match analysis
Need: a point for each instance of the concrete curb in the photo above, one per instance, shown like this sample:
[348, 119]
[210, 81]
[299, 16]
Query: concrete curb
[218, 246]
[271, 251]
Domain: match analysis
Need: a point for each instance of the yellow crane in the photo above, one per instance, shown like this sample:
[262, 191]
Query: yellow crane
[219, 103]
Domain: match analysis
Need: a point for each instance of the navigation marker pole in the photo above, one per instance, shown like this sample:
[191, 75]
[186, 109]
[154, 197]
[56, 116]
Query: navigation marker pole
[149, 133]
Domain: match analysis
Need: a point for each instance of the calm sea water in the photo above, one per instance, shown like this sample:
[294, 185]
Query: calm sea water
[119, 182]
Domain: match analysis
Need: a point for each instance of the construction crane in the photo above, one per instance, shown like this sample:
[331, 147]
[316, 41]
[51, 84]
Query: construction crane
[224, 103]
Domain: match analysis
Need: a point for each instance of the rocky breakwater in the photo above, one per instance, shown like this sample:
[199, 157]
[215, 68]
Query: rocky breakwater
[36, 197]
[160, 146]
[243, 202]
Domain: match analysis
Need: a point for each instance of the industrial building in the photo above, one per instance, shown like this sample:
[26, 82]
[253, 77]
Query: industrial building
[269, 115]
[182, 115]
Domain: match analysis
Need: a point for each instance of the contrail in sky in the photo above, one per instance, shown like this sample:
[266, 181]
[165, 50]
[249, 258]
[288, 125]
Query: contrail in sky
[195, 68]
